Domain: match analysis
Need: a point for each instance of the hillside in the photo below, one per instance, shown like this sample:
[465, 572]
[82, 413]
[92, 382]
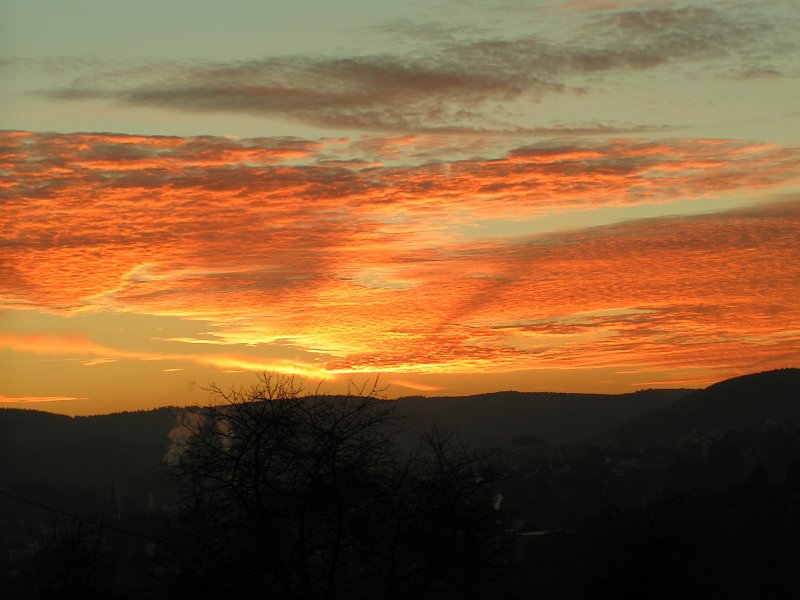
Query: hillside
[498, 418]
[82, 456]
[748, 402]
[637, 499]
[128, 448]
[89, 453]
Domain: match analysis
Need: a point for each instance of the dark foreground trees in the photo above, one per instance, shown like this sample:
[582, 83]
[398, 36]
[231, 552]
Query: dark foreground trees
[313, 497]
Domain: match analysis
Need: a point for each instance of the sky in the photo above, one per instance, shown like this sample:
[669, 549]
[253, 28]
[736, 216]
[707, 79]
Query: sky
[450, 197]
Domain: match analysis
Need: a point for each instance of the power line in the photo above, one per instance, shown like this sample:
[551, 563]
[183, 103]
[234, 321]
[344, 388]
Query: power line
[100, 524]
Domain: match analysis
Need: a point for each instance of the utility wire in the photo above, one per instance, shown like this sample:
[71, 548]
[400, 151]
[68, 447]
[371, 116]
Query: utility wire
[84, 519]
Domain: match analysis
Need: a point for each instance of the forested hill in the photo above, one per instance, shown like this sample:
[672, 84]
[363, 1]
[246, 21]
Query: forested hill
[499, 418]
[750, 402]
[687, 490]
[128, 448]
[86, 454]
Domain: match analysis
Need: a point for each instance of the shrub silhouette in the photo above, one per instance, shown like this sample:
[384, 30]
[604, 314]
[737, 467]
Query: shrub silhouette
[312, 497]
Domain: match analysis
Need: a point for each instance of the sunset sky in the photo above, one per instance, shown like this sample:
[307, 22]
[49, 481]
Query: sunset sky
[460, 196]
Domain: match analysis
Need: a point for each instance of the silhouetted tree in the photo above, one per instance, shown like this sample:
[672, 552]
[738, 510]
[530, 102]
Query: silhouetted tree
[312, 497]
[74, 561]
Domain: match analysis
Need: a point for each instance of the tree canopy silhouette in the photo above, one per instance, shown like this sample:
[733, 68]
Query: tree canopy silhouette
[313, 497]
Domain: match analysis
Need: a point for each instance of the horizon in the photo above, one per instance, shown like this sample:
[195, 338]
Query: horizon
[39, 408]
[382, 396]
[564, 196]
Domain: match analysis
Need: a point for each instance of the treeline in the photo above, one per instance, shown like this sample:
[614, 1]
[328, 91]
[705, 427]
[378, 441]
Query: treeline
[709, 518]
[271, 494]
[712, 517]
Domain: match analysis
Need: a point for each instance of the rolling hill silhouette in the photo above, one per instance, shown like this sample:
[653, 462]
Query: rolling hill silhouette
[80, 457]
[754, 402]
[626, 512]
[498, 418]
[128, 448]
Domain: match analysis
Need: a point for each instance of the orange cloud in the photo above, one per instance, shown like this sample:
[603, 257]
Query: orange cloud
[414, 385]
[77, 345]
[374, 269]
[710, 291]
[54, 344]
[36, 399]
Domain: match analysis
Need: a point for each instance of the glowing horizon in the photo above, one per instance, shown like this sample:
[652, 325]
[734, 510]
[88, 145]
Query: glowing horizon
[406, 230]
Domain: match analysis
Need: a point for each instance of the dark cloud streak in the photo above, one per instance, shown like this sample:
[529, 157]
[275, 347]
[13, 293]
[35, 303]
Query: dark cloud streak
[455, 84]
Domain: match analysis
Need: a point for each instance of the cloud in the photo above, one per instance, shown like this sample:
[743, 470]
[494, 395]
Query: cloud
[168, 233]
[377, 268]
[457, 81]
[414, 385]
[78, 233]
[36, 399]
[67, 346]
[706, 291]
